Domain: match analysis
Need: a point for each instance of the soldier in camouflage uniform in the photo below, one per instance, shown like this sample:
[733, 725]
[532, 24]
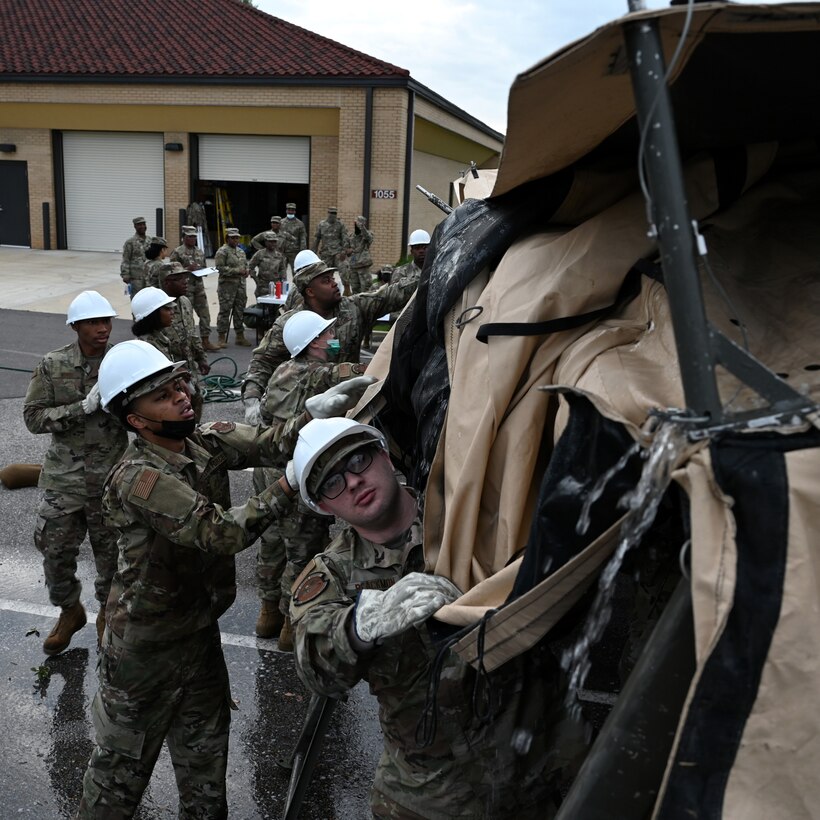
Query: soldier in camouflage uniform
[155, 255]
[258, 242]
[269, 265]
[162, 671]
[63, 400]
[359, 612]
[354, 315]
[303, 533]
[232, 264]
[360, 260]
[417, 245]
[331, 238]
[192, 258]
[295, 234]
[185, 342]
[132, 267]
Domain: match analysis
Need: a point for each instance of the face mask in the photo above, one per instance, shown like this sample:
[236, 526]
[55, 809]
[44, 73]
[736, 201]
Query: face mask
[291, 216]
[333, 348]
[176, 430]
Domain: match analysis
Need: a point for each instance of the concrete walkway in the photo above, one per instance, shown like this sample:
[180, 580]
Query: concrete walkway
[47, 281]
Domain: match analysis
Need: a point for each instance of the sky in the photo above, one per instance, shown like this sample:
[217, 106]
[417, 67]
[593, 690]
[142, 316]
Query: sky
[469, 51]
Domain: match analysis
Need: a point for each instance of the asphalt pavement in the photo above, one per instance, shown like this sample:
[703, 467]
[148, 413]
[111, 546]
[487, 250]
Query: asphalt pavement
[44, 722]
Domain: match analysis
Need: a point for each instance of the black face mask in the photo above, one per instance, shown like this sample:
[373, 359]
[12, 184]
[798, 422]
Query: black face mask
[176, 430]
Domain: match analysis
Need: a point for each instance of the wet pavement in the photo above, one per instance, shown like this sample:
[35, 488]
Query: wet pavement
[44, 720]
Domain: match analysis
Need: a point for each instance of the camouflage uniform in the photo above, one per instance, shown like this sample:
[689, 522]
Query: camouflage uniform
[132, 267]
[354, 315]
[258, 242]
[469, 769]
[303, 533]
[361, 280]
[295, 235]
[83, 449]
[161, 341]
[185, 344]
[196, 286]
[272, 267]
[151, 272]
[408, 271]
[232, 265]
[330, 240]
[162, 672]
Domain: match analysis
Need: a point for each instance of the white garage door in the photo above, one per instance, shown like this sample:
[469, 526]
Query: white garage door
[226, 158]
[109, 179]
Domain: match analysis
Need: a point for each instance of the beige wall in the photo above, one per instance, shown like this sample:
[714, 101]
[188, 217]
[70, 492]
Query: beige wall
[34, 148]
[435, 174]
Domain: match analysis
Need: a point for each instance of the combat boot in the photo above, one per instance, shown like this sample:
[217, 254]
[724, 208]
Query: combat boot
[270, 620]
[285, 640]
[241, 341]
[223, 340]
[100, 625]
[71, 620]
[206, 345]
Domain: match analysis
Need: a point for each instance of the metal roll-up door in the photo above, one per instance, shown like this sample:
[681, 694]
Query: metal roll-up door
[227, 158]
[110, 178]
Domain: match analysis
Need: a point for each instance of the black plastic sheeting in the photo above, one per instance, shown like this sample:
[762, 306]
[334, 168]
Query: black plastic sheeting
[473, 237]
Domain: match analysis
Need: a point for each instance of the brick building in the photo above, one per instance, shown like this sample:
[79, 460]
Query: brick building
[112, 109]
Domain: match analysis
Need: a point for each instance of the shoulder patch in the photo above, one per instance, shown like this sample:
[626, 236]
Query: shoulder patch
[145, 483]
[312, 587]
[222, 426]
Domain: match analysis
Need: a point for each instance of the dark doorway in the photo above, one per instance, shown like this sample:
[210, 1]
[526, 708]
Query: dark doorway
[252, 204]
[15, 228]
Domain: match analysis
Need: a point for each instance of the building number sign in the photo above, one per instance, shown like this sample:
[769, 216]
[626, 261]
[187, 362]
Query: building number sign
[383, 193]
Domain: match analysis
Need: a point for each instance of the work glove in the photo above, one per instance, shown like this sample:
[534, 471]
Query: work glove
[338, 399]
[253, 411]
[92, 401]
[290, 476]
[379, 614]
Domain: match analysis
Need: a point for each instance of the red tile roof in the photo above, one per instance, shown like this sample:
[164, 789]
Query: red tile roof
[169, 39]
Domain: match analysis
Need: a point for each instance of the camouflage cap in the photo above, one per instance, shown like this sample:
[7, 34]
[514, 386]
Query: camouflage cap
[176, 370]
[232, 232]
[291, 205]
[333, 209]
[307, 274]
[361, 220]
[270, 236]
[276, 219]
[137, 219]
[168, 268]
[189, 230]
[328, 462]
[158, 240]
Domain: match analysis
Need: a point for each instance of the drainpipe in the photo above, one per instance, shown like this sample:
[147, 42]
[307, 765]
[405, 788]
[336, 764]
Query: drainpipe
[408, 168]
[368, 151]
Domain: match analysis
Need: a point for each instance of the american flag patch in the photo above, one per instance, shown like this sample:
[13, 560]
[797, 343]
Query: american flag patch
[145, 483]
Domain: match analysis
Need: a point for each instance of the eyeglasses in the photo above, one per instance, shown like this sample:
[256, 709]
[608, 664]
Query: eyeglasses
[334, 485]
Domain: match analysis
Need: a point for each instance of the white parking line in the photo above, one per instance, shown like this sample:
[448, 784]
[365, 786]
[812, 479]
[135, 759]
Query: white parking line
[228, 638]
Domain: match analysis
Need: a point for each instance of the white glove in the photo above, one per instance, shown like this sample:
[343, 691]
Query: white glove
[92, 401]
[338, 399]
[290, 476]
[253, 411]
[409, 602]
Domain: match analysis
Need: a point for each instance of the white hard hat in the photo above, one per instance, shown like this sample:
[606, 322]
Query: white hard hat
[147, 301]
[302, 328]
[303, 259]
[128, 363]
[89, 305]
[419, 237]
[314, 438]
